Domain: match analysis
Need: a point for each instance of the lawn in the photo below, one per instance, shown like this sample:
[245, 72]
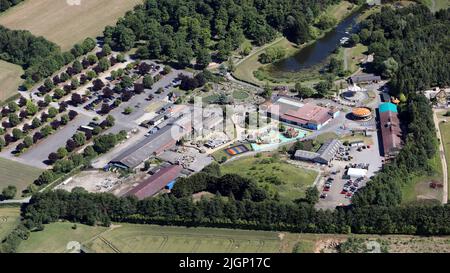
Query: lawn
[274, 174]
[66, 24]
[240, 95]
[17, 174]
[9, 219]
[418, 190]
[354, 56]
[55, 237]
[9, 79]
[445, 131]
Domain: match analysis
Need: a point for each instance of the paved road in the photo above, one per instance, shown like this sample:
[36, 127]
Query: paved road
[443, 159]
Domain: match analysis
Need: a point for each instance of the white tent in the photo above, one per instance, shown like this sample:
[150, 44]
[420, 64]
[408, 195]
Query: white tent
[356, 173]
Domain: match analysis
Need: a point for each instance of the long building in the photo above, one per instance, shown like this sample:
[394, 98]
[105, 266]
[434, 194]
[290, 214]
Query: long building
[155, 144]
[324, 155]
[156, 182]
[390, 129]
[307, 115]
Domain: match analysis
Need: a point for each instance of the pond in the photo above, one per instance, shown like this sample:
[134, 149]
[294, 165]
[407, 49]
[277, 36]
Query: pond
[318, 51]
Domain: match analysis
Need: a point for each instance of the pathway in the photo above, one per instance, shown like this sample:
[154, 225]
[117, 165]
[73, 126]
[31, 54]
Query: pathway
[443, 159]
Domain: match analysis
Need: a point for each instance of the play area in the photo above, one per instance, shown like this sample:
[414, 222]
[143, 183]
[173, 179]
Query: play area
[236, 150]
[271, 137]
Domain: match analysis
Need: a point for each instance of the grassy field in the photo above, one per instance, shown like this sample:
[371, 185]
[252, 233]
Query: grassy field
[418, 190]
[17, 174]
[445, 131]
[240, 95]
[273, 174]
[55, 237]
[354, 56]
[9, 79]
[9, 219]
[66, 24]
[163, 239]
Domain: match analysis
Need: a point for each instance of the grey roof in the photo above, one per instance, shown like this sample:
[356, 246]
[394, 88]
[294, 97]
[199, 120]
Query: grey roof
[326, 152]
[329, 149]
[306, 155]
[163, 139]
[365, 78]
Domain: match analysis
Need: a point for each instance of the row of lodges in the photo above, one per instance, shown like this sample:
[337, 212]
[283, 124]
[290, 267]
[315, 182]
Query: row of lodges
[307, 115]
[390, 129]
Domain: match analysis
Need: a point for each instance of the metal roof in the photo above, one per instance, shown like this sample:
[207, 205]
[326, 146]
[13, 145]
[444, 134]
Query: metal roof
[388, 106]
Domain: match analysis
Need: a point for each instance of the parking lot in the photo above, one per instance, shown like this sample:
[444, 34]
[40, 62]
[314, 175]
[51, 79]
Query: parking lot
[336, 188]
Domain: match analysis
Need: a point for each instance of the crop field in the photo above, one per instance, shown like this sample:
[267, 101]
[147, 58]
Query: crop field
[9, 219]
[17, 174]
[163, 239]
[64, 23]
[274, 174]
[9, 79]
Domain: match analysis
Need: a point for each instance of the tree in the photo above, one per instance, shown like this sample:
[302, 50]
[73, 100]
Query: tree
[128, 110]
[267, 92]
[32, 109]
[97, 85]
[79, 138]
[76, 99]
[148, 81]
[389, 67]
[323, 87]
[203, 58]
[184, 56]
[13, 120]
[52, 112]
[74, 83]
[46, 130]
[28, 141]
[104, 64]
[105, 109]
[64, 119]
[312, 195]
[9, 192]
[17, 134]
[13, 107]
[2, 143]
[58, 93]
[110, 120]
[62, 152]
[104, 143]
[89, 152]
[303, 91]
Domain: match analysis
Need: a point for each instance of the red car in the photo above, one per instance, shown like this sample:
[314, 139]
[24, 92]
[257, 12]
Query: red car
[326, 189]
[349, 194]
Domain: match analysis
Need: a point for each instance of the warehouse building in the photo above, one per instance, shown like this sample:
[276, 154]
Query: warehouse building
[155, 183]
[364, 78]
[324, 155]
[153, 145]
[390, 129]
[307, 115]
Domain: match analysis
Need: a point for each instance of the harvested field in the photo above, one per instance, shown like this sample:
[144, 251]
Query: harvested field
[9, 219]
[9, 79]
[17, 174]
[64, 23]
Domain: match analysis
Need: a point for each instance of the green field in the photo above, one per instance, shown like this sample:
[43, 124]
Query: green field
[354, 56]
[17, 174]
[275, 175]
[66, 24]
[55, 237]
[418, 190]
[9, 79]
[445, 131]
[151, 238]
[240, 95]
[9, 219]
[163, 239]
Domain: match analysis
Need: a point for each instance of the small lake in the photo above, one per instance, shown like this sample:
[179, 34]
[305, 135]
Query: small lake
[318, 51]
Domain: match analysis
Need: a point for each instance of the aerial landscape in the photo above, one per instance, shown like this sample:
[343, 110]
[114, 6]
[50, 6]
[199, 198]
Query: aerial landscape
[224, 126]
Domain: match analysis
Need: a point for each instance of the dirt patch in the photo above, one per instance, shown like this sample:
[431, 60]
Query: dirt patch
[92, 181]
[327, 245]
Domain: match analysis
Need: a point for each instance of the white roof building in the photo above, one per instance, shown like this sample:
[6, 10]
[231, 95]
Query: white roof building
[356, 172]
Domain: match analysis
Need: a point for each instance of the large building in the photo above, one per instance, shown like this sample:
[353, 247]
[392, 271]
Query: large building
[364, 78]
[324, 155]
[156, 182]
[153, 145]
[390, 129]
[307, 115]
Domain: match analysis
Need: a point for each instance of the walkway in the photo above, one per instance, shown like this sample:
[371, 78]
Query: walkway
[443, 159]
